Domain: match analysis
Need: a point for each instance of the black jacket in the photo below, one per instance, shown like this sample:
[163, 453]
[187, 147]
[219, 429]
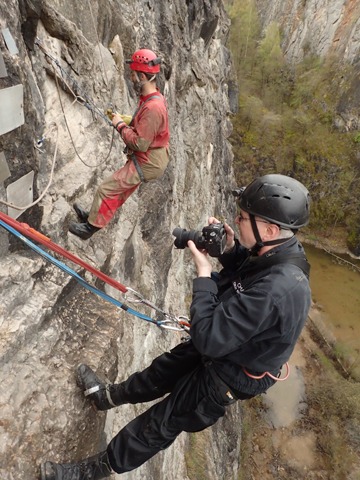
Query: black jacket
[252, 315]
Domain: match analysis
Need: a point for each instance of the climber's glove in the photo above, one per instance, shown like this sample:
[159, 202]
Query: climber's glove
[118, 123]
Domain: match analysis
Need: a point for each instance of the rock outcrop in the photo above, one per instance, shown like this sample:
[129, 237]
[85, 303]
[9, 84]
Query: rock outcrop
[324, 28]
[318, 27]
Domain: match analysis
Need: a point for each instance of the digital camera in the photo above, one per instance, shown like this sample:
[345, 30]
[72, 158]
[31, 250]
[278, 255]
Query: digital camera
[212, 238]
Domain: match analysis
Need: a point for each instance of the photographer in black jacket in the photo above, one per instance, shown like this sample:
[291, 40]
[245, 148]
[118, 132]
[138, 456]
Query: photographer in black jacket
[244, 326]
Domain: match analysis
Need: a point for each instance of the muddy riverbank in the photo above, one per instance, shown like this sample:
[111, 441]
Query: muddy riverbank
[278, 446]
[333, 241]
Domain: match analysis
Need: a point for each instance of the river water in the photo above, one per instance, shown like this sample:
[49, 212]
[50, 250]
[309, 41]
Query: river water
[336, 294]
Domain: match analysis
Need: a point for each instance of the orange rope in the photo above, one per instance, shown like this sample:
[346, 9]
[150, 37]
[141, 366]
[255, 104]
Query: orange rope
[277, 379]
[30, 232]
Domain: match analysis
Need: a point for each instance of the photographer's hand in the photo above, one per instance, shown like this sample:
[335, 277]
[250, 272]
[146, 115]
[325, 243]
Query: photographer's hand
[200, 257]
[230, 234]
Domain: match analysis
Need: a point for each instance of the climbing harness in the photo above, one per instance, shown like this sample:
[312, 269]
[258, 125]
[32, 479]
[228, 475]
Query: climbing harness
[138, 168]
[277, 379]
[164, 319]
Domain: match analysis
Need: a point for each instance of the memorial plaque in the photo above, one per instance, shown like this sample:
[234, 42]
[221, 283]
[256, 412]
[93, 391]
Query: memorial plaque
[3, 71]
[10, 42]
[11, 108]
[4, 168]
[20, 193]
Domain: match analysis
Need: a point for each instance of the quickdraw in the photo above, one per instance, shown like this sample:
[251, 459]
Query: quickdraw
[277, 379]
[181, 320]
[164, 319]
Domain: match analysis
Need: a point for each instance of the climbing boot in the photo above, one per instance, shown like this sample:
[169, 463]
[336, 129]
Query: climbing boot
[83, 230]
[103, 396]
[93, 468]
[82, 214]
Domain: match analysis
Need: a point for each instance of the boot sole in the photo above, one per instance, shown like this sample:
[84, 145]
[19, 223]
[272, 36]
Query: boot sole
[82, 235]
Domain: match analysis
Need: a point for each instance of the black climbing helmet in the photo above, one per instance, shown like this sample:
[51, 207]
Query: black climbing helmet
[278, 199]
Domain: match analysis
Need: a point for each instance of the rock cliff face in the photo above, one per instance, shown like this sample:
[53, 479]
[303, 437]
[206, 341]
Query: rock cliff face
[325, 28]
[321, 27]
[329, 29]
[48, 322]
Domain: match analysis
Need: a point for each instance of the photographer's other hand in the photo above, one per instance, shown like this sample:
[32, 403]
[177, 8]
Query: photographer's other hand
[200, 257]
[230, 234]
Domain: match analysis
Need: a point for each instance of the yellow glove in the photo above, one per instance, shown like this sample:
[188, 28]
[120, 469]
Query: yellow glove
[126, 118]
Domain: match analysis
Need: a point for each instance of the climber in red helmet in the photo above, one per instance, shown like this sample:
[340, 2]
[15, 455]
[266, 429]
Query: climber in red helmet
[147, 147]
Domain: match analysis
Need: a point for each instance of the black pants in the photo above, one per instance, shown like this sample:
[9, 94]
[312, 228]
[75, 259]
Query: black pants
[194, 403]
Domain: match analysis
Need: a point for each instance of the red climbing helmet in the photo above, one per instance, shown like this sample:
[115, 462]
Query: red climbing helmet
[145, 61]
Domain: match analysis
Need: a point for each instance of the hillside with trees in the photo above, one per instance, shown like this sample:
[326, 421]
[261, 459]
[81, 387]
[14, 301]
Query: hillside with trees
[288, 121]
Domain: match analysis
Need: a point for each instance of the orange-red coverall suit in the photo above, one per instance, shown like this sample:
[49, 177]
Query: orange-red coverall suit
[147, 137]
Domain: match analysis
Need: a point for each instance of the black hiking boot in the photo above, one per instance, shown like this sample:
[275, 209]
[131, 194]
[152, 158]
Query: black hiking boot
[93, 468]
[83, 230]
[103, 396]
[82, 214]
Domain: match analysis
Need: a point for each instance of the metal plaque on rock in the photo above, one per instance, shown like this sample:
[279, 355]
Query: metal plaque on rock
[3, 71]
[11, 108]
[10, 42]
[20, 193]
[4, 168]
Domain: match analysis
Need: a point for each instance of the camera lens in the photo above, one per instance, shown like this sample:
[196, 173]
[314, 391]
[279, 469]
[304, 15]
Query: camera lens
[182, 236]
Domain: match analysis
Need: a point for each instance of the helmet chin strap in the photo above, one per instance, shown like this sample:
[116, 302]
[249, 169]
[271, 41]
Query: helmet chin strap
[259, 243]
[139, 84]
